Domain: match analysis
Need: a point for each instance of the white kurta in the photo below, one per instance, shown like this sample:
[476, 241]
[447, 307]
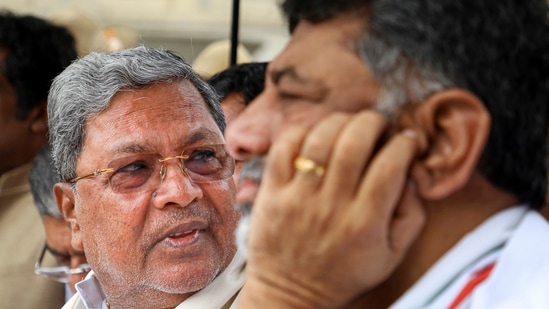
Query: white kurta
[516, 240]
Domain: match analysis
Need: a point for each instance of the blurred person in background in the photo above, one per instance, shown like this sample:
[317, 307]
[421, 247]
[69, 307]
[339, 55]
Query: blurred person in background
[214, 58]
[237, 86]
[59, 261]
[32, 53]
[91, 35]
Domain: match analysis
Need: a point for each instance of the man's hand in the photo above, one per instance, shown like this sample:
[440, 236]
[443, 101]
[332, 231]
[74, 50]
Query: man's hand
[317, 240]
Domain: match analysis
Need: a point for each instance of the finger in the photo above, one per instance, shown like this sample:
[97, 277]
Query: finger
[352, 152]
[317, 147]
[279, 168]
[408, 219]
[386, 176]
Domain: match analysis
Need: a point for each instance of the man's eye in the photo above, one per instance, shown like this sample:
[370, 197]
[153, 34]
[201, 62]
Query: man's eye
[134, 167]
[202, 155]
[289, 96]
[203, 162]
[132, 175]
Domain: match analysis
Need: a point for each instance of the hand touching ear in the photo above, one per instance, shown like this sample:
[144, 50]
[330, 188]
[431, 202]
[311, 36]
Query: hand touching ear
[320, 238]
[456, 124]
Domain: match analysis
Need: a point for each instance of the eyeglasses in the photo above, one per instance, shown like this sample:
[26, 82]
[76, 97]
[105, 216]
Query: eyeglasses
[58, 273]
[133, 173]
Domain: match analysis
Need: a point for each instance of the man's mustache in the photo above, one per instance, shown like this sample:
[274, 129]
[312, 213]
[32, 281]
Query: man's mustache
[252, 169]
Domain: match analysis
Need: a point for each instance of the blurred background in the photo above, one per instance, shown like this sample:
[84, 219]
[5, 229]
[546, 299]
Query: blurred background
[186, 27]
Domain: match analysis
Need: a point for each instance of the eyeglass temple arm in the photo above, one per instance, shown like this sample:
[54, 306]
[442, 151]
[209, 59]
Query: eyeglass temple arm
[95, 173]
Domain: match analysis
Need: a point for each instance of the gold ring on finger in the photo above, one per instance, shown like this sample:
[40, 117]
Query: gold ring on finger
[304, 165]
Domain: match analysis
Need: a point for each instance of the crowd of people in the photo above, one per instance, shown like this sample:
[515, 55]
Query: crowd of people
[393, 155]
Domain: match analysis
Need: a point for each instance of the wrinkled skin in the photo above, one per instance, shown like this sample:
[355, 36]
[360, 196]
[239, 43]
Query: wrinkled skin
[318, 242]
[151, 250]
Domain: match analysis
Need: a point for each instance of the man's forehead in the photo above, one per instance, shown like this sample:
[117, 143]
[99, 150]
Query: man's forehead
[200, 135]
[170, 100]
[140, 125]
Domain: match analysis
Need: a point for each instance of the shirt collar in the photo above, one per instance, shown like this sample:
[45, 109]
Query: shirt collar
[481, 244]
[91, 292]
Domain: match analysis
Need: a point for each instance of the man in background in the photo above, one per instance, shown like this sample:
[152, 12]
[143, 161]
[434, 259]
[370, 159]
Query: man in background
[237, 86]
[32, 53]
[59, 261]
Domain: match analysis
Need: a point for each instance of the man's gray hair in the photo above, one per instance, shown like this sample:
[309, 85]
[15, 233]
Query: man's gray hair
[85, 88]
[42, 178]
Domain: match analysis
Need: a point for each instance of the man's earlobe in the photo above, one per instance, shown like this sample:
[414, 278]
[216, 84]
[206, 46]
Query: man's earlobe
[65, 198]
[456, 125]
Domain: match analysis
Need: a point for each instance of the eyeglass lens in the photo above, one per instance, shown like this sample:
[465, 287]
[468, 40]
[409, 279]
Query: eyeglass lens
[45, 266]
[201, 164]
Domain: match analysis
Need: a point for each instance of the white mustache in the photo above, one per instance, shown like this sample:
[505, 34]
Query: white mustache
[242, 232]
[251, 170]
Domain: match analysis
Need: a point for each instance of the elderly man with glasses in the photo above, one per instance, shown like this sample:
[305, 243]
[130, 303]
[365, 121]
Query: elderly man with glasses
[145, 182]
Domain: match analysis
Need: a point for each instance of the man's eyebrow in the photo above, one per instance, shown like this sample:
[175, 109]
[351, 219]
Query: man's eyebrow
[133, 148]
[201, 135]
[315, 88]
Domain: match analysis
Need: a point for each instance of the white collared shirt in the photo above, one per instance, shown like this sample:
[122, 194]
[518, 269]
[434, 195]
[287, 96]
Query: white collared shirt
[440, 285]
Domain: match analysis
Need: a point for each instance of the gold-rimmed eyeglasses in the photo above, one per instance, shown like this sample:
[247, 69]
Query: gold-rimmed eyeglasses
[133, 173]
[58, 273]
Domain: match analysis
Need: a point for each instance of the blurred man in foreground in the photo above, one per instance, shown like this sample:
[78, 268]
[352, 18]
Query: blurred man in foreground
[422, 191]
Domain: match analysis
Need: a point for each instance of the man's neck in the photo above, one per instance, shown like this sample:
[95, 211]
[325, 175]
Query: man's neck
[448, 220]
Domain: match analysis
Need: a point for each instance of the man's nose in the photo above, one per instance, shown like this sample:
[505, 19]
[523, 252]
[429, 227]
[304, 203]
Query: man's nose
[249, 135]
[176, 187]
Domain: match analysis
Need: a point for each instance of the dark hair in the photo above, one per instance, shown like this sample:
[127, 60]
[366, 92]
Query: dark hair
[319, 10]
[247, 79]
[37, 52]
[495, 49]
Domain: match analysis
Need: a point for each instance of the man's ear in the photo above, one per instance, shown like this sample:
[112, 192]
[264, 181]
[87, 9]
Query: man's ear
[455, 125]
[38, 118]
[64, 196]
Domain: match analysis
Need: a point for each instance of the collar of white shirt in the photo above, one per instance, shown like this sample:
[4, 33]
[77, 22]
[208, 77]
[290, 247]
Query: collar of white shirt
[442, 282]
